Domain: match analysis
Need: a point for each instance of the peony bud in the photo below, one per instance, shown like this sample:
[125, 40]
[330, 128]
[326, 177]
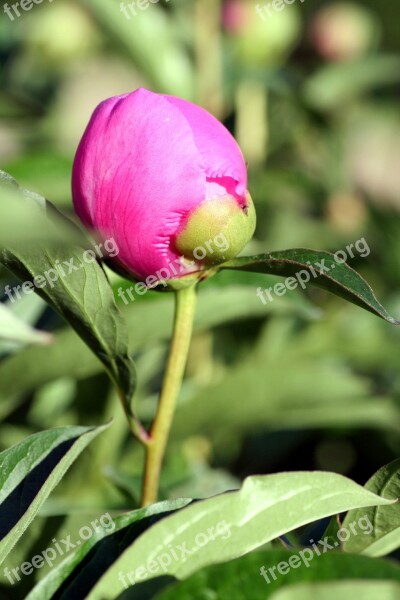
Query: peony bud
[344, 31]
[165, 180]
[259, 34]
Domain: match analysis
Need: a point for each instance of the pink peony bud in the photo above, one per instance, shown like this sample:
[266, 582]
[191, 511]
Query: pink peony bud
[162, 177]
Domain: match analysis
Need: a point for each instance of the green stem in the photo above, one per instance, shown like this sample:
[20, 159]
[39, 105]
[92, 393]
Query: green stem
[208, 56]
[135, 426]
[185, 303]
[252, 120]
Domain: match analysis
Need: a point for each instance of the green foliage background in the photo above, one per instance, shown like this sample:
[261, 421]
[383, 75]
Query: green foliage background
[305, 382]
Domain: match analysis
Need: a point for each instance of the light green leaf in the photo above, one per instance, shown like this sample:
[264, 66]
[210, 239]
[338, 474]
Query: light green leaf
[345, 590]
[13, 329]
[384, 521]
[169, 69]
[236, 523]
[336, 84]
[29, 472]
[23, 216]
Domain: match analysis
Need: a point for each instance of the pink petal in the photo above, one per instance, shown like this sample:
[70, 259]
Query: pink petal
[137, 174]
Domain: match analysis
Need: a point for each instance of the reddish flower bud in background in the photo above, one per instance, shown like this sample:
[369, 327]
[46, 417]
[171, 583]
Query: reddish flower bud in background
[259, 35]
[344, 31]
[162, 177]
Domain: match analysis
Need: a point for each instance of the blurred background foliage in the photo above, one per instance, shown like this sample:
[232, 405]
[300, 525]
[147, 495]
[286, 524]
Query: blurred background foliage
[305, 382]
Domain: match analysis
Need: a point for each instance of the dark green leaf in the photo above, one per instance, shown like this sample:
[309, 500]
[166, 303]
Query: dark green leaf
[383, 537]
[80, 569]
[29, 472]
[329, 274]
[76, 287]
[234, 580]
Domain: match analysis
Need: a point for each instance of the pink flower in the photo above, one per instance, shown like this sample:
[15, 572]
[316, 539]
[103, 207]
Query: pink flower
[156, 173]
[237, 15]
[343, 31]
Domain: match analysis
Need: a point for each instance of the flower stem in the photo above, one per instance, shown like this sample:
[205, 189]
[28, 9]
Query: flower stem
[185, 303]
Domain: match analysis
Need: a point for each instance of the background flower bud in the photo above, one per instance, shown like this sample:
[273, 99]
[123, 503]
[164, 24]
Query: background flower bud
[161, 176]
[259, 37]
[344, 31]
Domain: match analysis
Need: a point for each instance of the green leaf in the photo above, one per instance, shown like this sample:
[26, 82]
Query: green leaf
[235, 523]
[85, 300]
[346, 590]
[101, 548]
[233, 580]
[45, 170]
[76, 287]
[318, 393]
[29, 472]
[329, 274]
[384, 536]
[6, 180]
[336, 84]
[24, 217]
[13, 329]
[151, 322]
[170, 71]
